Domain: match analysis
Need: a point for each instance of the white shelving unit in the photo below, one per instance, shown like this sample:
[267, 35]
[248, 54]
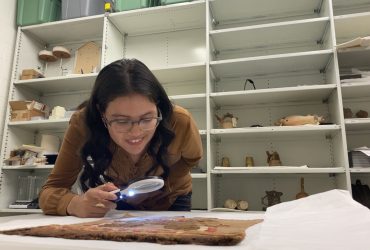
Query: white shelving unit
[203, 52]
[351, 21]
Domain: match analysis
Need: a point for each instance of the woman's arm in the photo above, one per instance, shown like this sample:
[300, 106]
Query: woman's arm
[56, 193]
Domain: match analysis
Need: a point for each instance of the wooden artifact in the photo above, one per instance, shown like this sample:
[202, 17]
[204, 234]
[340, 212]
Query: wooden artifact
[31, 74]
[87, 58]
[301, 194]
[61, 52]
[47, 56]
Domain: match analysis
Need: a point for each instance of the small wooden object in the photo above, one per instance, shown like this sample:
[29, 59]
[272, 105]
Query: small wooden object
[47, 56]
[301, 194]
[31, 74]
[61, 52]
[87, 58]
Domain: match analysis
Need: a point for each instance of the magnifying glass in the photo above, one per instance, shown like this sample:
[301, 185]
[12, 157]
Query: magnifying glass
[139, 186]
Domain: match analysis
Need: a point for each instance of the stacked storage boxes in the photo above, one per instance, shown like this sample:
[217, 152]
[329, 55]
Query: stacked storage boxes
[37, 11]
[165, 2]
[81, 8]
[124, 5]
[41, 11]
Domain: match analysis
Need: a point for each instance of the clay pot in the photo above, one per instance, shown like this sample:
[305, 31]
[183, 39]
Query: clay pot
[249, 162]
[273, 159]
[362, 114]
[225, 162]
[271, 198]
[227, 121]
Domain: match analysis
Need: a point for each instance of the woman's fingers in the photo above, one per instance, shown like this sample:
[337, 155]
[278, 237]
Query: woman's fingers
[102, 193]
[96, 202]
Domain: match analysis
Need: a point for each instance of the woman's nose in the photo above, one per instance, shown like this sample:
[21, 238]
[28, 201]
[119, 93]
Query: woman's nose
[135, 128]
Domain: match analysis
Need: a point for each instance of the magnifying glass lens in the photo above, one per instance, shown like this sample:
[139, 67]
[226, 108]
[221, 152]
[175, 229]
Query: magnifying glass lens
[146, 185]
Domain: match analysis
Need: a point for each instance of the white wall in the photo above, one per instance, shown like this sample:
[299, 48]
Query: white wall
[8, 32]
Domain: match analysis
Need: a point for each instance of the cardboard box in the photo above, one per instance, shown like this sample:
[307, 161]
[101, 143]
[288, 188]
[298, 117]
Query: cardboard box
[31, 74]
[25, 110]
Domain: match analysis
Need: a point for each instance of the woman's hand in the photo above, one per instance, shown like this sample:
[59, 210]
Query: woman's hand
[96, 202]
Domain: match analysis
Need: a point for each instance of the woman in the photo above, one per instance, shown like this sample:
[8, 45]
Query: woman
[129, 129]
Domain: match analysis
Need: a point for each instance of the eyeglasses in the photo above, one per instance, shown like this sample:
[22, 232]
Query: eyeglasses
[125, 125]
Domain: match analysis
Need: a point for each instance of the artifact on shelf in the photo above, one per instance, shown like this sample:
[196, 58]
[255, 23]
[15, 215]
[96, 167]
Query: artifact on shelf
[295, 120]
[47, 56]
[249, 162]
[362, 114]
[87, 58]
[359, 157]
[273, 159]
[347, 112]
[301, 194]
[28, 110]
[242, 205]
[227, 121]
[239, 204]
[61, 52]
[251, 82]
[58, 112]
[271, 198]
[256, 126]
[26, 155]
[31, 74]
[50, 143]
[357, 42]
[350, 76]
[225, 162]
[230, 203]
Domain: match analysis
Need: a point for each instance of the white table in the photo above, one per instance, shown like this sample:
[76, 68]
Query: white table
[26, 242]
[326, 221]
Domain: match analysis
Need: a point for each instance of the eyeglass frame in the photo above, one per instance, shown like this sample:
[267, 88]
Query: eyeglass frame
[158, 118]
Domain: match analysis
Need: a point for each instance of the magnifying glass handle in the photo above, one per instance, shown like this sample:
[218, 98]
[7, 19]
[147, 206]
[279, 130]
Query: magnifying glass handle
[117, 192]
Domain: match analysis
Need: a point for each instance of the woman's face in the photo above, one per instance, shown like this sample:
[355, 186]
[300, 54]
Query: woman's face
[121, 111]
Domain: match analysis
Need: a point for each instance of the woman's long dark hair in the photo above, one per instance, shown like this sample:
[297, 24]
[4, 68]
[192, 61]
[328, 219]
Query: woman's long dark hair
[122, 78]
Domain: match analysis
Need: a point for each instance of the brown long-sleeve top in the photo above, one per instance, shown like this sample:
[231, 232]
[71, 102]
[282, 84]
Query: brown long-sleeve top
[184, 152]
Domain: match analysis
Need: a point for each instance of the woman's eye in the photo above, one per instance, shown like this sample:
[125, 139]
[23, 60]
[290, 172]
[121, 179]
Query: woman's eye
[123, 122]
[147, 120]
